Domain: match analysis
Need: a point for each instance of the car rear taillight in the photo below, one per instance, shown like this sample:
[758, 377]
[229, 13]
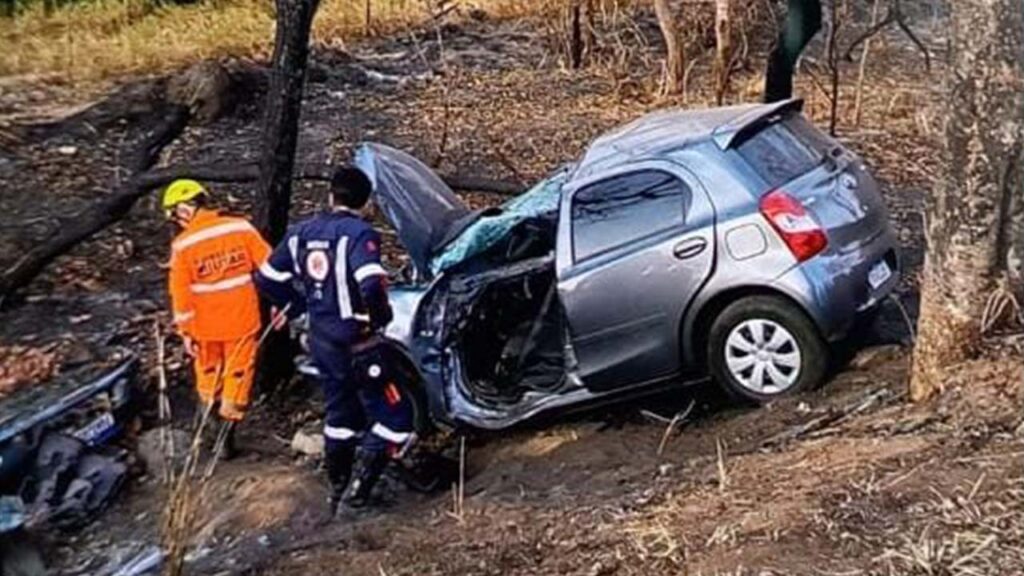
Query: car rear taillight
[798, 229]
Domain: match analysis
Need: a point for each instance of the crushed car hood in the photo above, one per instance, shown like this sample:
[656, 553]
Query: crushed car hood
[425, 212]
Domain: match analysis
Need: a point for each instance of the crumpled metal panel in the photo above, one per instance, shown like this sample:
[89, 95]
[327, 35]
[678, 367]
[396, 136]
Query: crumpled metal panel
[420, 206]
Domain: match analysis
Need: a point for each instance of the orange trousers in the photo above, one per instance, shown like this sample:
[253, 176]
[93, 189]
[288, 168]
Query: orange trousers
[224, 374]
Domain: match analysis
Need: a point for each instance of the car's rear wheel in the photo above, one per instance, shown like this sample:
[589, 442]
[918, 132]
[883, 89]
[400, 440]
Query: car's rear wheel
[763, 347]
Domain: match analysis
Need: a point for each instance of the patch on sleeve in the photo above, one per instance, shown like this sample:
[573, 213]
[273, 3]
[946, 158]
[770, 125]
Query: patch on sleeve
[371, 246]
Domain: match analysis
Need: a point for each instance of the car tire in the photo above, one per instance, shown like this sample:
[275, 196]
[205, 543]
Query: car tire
[761, 348]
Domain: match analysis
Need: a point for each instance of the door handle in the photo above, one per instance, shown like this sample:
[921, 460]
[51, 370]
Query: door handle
[689, 248]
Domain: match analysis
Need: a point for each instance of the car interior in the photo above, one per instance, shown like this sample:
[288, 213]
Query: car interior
[504, 318]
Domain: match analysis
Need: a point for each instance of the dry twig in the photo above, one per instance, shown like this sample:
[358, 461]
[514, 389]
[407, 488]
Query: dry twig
[677, 419]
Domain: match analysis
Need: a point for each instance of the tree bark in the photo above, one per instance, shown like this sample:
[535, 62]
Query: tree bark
[723, 48]
[575, 34]
[281, 116]
[280, 137]
[832, 55]
[803, 20]
[580, 39]
[971, 214]
[675, 59]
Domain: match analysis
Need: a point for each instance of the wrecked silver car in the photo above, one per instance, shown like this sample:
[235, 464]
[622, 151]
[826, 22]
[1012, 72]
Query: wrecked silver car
[737, 242]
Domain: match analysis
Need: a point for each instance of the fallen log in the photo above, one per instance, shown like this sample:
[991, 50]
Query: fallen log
[235, 173]
[100, 215]
[210, 90]
[91, 220]
[129, 104]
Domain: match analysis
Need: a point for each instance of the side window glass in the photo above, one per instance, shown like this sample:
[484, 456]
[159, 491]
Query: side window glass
[623, 209]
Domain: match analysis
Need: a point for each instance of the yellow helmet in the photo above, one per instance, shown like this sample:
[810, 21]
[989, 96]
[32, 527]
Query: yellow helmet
[181, 191]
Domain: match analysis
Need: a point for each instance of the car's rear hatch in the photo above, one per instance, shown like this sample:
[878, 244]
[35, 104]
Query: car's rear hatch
[832, 183]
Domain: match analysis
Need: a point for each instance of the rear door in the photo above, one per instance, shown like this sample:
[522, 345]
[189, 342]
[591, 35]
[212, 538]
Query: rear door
[634, 247]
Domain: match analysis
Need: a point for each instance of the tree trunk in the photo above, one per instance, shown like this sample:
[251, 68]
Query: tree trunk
[803, 20]
[832, 55]
[281, 116]
[277, 157]
[723, 52]
[971, 215]
[675, 60]
[589, 35]
[575, 34]
[580, 41]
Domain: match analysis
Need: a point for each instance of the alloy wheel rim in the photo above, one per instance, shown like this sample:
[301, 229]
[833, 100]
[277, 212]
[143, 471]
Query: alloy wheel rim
[763, 356]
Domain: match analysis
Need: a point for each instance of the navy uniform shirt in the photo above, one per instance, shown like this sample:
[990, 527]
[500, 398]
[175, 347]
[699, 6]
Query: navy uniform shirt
[335, 257]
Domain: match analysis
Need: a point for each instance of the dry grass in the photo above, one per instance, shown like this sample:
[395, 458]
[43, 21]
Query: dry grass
[95, 40]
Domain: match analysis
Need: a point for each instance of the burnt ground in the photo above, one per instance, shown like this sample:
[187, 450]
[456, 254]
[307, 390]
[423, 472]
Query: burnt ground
[890, 489]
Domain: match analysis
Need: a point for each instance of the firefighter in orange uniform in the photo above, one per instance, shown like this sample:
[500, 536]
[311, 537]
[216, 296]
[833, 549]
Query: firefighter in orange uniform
[216, 308]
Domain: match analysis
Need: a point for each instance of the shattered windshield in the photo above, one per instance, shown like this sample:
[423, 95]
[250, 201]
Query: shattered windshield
[488, 230]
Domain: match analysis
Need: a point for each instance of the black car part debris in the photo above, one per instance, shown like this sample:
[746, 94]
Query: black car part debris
[55, 451]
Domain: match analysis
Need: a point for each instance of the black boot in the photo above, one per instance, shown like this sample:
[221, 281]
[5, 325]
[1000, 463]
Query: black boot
[368, 469]
[338, 460]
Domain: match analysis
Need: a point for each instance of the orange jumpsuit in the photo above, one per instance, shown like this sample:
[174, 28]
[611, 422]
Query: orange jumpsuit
[215, 303]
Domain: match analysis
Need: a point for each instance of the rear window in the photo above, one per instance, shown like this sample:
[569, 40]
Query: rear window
[784, 150]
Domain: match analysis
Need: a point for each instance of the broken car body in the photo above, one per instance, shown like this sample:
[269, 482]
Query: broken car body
[736, 241]
[54, 445]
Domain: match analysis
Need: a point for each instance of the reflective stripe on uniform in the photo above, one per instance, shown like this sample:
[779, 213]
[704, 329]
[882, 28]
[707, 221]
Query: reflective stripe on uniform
[212, 232]
[367, 270]
[293, 249]
[180, 317]
[230, 283]
[390, 435]
[271, 273]
[341, 279]
[339, 433]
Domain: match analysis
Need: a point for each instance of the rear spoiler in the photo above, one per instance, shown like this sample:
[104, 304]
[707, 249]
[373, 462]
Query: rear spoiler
[738, 129]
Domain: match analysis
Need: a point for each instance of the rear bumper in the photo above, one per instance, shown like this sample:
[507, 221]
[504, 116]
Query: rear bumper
[834, 287]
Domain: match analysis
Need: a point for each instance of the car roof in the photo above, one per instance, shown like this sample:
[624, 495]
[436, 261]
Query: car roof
[664, 131]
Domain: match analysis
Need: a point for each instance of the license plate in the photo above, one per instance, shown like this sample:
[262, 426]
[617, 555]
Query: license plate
[94, 431]
[879, 274]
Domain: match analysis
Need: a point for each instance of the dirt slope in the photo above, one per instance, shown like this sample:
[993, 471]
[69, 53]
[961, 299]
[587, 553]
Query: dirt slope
[891, 489]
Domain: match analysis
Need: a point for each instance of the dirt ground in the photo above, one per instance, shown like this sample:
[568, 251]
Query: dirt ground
[878, 487]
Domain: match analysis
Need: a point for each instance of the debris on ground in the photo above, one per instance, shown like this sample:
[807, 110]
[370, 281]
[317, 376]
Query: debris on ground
[309, 444]
[151, 451]
[23, 365]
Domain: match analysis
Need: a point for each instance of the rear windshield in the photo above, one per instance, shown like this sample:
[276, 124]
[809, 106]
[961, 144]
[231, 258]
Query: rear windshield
[784, 150]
